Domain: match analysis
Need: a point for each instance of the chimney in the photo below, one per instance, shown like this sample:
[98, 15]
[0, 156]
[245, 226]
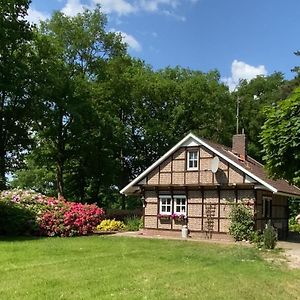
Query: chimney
[239, 145]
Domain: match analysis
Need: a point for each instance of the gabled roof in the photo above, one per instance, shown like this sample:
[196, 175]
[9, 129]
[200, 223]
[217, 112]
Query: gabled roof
[250, 167]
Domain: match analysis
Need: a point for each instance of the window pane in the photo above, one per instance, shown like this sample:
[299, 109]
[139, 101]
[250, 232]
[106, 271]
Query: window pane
[193, 159]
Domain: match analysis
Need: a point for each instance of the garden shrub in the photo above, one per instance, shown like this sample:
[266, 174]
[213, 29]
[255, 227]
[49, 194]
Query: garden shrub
[256, 238]
[123, 214]
[269, 236]
[41, 215]
[294, 228]
[14, 220]
[111, 225]
[133, 223]
[242, 222]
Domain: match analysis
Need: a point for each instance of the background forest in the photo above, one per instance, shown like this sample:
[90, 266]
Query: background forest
[80, 118]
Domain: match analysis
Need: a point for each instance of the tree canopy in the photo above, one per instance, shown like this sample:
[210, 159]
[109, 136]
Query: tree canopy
[79, 117]
[280, 138]
[15, 35]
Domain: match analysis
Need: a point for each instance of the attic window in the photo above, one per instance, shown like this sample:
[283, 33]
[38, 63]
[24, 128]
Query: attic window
[192, 160]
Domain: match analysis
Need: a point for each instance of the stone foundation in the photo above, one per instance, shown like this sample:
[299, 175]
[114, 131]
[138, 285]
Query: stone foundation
[192, 234]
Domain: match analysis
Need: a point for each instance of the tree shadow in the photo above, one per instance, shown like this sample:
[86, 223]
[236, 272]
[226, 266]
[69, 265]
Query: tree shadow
[20, 238]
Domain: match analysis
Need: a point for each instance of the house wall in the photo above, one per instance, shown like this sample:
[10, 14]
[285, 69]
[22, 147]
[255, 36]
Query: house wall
[204, 207]
[209, 196]
[173, 171]
[279, 216]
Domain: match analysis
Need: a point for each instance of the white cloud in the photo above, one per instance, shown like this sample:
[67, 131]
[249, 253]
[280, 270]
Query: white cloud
[35, 16]
[121, 7]
[125, 7]
[130, 40]
[73, 7]
[173, 15]
[154, 5]
[241, 70]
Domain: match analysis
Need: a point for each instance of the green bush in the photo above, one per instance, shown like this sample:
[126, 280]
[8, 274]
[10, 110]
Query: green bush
[27, 212]
[15, 220]
[133, 223]
[242, 222]
[269, 236]
[256, 237]
[294, 228]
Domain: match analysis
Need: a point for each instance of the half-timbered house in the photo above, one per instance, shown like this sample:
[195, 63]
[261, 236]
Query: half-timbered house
[197, 181]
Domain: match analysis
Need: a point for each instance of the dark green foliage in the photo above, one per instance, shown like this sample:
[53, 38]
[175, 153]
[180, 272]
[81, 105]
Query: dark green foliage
[280, 138]
[72, 128]
[294, 207]
[256, 238]
[16, 220]
[99, 117]
[134, 223]
[241, 223]
[123, 214]
[269, 236]
[253, 96]
[15, 84]
[294, 227]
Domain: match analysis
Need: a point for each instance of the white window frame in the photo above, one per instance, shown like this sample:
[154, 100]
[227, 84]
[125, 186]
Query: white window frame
[267, 214]
[193, 160]
[165, 197]
[181, 206]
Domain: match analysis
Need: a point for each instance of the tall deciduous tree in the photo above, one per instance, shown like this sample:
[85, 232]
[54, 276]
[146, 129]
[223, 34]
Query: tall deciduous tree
[281, 139]
[72, 52]
[253, 96]
[15, 34]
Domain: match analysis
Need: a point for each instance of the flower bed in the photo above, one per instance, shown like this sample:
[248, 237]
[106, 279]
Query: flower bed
[178, 217]
[42, 215]
[164, 217]
[111, 225]
[174, 216]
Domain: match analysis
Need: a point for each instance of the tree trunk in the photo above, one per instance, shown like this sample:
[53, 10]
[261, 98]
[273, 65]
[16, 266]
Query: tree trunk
[59, 179]
[2, 146]
[60, 158]
[2, 171]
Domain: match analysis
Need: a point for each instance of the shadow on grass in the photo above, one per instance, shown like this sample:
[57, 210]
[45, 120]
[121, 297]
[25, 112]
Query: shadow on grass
[12, 238]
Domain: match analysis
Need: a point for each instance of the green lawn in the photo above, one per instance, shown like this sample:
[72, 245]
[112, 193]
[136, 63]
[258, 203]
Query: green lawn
[103, 267]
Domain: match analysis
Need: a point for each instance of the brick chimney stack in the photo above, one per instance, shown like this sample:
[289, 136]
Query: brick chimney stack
[239, 145]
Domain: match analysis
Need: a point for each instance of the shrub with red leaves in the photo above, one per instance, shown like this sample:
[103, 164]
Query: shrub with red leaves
[70, 219]
[51, 216]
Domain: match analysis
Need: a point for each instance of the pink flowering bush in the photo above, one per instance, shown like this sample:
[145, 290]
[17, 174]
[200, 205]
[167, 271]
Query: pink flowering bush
[50, 216]
[178, 216]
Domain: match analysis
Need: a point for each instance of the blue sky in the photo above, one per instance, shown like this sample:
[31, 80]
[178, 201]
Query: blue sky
[240, 38]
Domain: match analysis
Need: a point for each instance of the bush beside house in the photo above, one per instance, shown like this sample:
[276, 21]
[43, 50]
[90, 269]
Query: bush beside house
[242, 228]
[29, 213]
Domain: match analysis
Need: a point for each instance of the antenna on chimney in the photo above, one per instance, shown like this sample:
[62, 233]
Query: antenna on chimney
[237, 114]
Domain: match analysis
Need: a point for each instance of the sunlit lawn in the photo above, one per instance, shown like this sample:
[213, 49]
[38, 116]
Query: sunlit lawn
[106, 267]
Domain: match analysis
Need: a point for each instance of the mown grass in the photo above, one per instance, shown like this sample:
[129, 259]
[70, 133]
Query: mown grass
[103, 267]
